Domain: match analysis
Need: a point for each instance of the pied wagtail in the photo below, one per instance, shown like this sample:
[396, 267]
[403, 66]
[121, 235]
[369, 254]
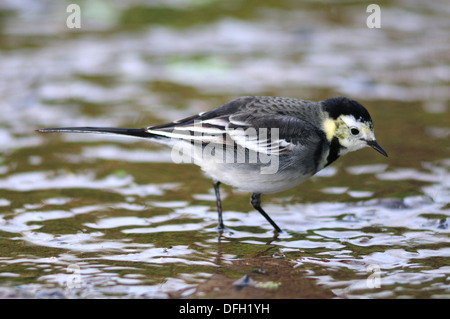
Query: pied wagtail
[272, 143]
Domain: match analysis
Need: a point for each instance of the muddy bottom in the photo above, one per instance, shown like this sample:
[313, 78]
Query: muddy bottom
[264, 278]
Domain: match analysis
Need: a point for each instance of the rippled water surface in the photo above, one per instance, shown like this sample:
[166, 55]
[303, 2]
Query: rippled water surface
[85, 216]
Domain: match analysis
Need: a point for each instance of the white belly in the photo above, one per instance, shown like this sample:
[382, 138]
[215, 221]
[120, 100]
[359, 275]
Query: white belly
[248, 175]
[252, 180]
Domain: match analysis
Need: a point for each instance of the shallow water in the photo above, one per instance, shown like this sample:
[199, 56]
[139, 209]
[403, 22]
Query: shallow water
[85, 216]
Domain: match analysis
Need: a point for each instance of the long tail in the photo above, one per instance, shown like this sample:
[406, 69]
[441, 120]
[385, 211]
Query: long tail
[137, 132]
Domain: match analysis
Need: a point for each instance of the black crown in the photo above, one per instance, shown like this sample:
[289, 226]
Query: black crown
[337, 106]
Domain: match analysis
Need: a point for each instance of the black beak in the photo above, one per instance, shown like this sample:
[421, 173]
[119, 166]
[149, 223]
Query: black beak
[374, 144]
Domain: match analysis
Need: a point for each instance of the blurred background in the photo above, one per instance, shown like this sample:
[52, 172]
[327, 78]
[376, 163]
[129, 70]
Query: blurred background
[86, 216]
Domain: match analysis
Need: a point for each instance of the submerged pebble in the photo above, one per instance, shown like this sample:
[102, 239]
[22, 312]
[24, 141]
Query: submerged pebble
[244, 281]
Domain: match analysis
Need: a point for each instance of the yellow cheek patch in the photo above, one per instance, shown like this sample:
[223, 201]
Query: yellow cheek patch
[329, 127]
[366, 130]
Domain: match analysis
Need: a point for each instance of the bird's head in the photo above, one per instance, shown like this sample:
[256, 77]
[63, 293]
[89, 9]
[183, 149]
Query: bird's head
[348, 123]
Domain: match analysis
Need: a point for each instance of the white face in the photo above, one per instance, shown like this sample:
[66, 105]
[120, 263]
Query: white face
[352, 133]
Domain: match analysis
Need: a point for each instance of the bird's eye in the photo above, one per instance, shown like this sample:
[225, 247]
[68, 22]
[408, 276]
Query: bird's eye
[354, 131]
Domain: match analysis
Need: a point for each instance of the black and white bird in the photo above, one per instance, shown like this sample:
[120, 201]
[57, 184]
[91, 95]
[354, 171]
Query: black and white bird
[260, 144]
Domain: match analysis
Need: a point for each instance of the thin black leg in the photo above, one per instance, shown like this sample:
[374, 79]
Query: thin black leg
[256, 203]
[219, 205]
